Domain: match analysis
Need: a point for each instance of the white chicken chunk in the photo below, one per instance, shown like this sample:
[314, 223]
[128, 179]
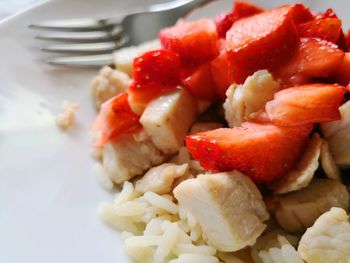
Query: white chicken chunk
[160, 179]
[107, 84]
[124, 57]
[127, 157]
[168, 118]
[228, 207]
[337, 134]
[298, 210]
[66, 119]
[302, 175]
[251, 97]
[328, 240]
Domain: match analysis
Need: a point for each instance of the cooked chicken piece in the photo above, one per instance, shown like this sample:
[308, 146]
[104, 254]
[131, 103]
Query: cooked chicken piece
[160, 179]
[327, 162]
[301, 176]
[298, 210]
[66, 119]
[127, 157]
[168, 118]
[337, 134]
[251, 97]
[107, 84]
[328, 240]
[205, 126]
[124, 57]
[228, 207]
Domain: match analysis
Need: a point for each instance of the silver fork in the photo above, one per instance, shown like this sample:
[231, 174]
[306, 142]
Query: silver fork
[98, 38]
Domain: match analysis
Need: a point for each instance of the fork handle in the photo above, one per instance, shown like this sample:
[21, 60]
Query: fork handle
[185, 5]
[175, 4]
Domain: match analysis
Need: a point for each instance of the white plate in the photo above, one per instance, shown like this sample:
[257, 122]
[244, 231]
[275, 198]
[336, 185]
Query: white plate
[48, 194]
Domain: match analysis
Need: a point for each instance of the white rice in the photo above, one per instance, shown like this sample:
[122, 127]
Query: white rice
[157, 230]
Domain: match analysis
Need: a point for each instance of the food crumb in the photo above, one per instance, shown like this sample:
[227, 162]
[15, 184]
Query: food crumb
[66, 119]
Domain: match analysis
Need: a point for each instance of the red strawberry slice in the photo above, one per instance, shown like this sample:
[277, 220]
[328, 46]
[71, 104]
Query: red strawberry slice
[343, 72]
[301, 14]
[308, 104]
[328, 29]
[240, 10]
[115, 118]
[264, 152]
[244, 9]
[314, 58]
[154, 72]
[196, 42]
[329, 13]
[262, 41]
[200, 82]
[219, 70]
[347, 38]
[223, 23]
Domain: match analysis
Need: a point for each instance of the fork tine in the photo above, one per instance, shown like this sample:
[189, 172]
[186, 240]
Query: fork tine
[92, 36]
[73, 24]
[83, 61]
[85, 47]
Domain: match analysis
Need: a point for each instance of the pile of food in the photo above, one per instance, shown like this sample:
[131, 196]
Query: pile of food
[230, 138]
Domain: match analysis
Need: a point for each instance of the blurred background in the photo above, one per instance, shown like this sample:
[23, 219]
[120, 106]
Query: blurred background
[11, 7]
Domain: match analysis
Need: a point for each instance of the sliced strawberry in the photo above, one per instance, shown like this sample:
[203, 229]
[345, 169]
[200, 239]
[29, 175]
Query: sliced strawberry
[343, 72]
[200, 82]
[154, 72]
[262, 41]
[264, 152]
[195, 42]
[308, 104]
[347, 38]
[329, 13]
[342, 43]
[223, 23]
[328, 29]
[240, 10]
[314, 58]
[301, 14]
[219, 70]
[115, 118]
[158, 66]
[245, 9]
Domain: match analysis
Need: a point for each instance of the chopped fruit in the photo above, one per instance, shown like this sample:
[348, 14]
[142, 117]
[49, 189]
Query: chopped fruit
[200, 82]
[262, 41]
[219, 72]
[262, 152]
[115, 118]
[244, 9]
[154, 73]
[341, 43]
[314, 58]
[195, 42]
[240, 10]
[301, 14]
[347, 38]
[329, 13]
[308, 104]
[328, 29]
[223, 23]
[343, 72]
